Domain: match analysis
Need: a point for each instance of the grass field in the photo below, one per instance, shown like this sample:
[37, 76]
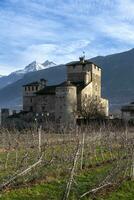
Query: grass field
[34, 166]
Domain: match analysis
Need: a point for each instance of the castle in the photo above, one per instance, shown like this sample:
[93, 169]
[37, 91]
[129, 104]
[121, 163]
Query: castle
[61, 102]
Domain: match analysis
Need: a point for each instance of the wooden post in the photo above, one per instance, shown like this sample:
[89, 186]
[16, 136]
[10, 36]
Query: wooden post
[39, 138]
[82, 149]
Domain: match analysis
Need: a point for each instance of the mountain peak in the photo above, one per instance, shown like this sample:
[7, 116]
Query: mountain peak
[48, 63]
[34, 66]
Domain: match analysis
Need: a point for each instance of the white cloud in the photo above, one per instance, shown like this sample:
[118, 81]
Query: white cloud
[126, 9]
[60, 30]
[120, 31]
[60, 53]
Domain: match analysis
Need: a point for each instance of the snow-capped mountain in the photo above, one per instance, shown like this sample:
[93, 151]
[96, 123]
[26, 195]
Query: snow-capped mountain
[48, 64]
[35, 66]
[17, 75]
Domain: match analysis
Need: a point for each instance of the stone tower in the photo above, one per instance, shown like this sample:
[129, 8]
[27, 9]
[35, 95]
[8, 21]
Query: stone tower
[66, 102]
[29, 94]
[85, 72]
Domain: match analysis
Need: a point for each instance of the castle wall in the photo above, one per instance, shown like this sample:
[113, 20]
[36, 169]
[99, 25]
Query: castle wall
[66, 103]
[4, 114]
[87, 91]
[45, 104]
[78, 100]
[96, 81]
[105, 107]
[29, 103]
[79, 73]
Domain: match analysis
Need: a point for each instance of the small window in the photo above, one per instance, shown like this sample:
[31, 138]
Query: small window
[73, 66]
[43, 108]
[83, 67]
[31, 108]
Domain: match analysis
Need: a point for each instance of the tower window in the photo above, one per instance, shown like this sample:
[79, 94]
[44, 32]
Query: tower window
[31, 108]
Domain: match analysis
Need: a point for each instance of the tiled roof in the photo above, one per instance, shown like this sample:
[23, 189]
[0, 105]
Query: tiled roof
[65, 84]
[80, 62]
[32, 84]
[129, 107]
[36, 83]
[50, 90]
[47, 90]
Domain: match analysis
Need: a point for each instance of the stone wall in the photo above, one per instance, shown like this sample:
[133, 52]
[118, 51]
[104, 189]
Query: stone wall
[45, 104]
[79, 73]
[96, 81]
[66, 103]
[105, 107]
[29, 103]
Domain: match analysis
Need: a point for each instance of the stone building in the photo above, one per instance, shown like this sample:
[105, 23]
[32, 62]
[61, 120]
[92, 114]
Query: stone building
[4, 114]
[61, 102]
[128, 112]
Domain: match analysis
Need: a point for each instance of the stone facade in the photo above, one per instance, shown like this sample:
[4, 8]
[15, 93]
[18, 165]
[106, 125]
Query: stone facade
[29, 95]
[64, 100]
[128, 112]
[4, 114]
[66, 103]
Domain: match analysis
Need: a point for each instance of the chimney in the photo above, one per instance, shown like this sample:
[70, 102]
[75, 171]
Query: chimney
[82, 59]
[43, 83]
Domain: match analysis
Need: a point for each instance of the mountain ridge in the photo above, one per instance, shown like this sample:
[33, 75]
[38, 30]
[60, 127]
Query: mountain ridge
[17, 75]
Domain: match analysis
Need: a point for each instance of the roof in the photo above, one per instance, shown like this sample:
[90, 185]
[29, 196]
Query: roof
[65, 84]
[48, 90]
[51, 90]
[80, 85]
[36, 83]
[129, 107]
[32, 84]
[84, 62]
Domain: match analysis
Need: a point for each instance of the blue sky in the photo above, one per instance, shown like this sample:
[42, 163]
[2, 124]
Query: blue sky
[60, 30]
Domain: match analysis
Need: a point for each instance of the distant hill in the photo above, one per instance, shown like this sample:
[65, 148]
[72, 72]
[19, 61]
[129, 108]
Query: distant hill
[117, 77]
[117, 80]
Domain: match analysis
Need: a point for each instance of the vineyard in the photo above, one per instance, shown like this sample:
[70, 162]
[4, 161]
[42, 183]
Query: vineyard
[82, 163]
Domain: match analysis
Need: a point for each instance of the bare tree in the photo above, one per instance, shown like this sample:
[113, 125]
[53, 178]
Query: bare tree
[91, 108]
